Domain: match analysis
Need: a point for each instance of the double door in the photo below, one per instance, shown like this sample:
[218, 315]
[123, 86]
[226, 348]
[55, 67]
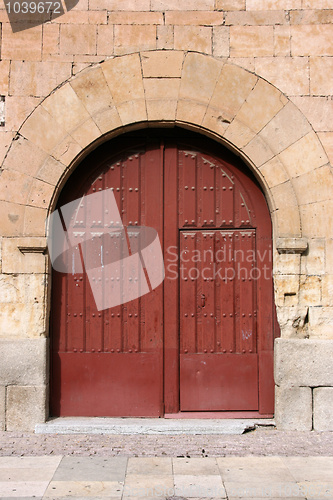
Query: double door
[203, 339]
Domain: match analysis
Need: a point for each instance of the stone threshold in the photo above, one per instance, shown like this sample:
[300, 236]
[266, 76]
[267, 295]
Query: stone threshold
[159, 426]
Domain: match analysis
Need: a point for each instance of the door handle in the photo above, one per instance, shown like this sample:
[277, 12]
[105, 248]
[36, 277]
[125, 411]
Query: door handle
[203, 300]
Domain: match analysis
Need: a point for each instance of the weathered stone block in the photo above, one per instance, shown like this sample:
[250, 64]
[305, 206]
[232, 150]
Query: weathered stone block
[321, 323]
[199, 77]
[34, 223]
[293, 408]
[92, 90]
[230, 4]
[304, 155]
[107, 120]
[164, 37]
[26, 406]
[312, 40]
[161, 88]
[317, 219]
[290, 75]
[310, 290]
[4, 77]
[24, 362]
[258, 151]
[326, 138]
[251, 41]
[21, 45]
[323, 409]
[132, 38]
[221, 44]
[2, 408]
[20, 151]
[282, 40]
[16, 261]
[42, 129]
[274, 172]
[303, 362]
[195, 38]
[162, 64]
[124, 78]
[318, 110]
[18, 109]
[194, 18]
[81, 40]
[114, 5]
[316, 185]
[273, 4]
[255, 18]
[182, 5]
[12, 218]
[86, 133]
[135, 18]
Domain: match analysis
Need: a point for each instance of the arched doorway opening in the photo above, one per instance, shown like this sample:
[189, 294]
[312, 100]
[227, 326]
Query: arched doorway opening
[200, 342]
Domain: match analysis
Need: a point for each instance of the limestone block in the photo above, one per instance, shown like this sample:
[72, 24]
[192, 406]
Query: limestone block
[182, 5]
[161, 88]
[26, 407]
[18, 109]
[315, 258]
[293, 318]
[86, 133]
[284, 195]
[310, 290]
[24, 362]
[22, 320]
[22, 288]
[312, 40]
[51, 35]
[326, 138]
[37, 78]
[304, 155]
[92, 89]
[124, 78]
[255, 18]
[303, 362]
[21, 45]
[190, 111]
[273, 4]
[317, 4]
[287, 264]
[282, 41]
[66, 150]
[288, 126]
[323, 409]
[50, 171]
[4, 77]
[107, 120]
[293, 408]
[233, 87]
[311, 16]
[42, 129]
[40, 194]
[24, 157]
[258, 151]
[12, 216]
[274, 172]
[318, 111]
[285, 285]
[329, 255]
[105, 40]
[327, 290]
[251, 41]
[317, 219]
[316, 185]
[5, 142]
[261, 105]
[162, 64]
[292, 245]
[194, 18]
[239, 134]
[133, 111]
[288, 222]
[34, 223]
[15, 186]
[161, 109]
[199, 77]
[131, 5]
[164, 37]
[321, 323]
[135, 18]
[15, 261]
[132, 38]
[77, 41]
[289, 74]
[221, 45]
[66, 107]
[195, 38]
[230, 5]
[2, 408]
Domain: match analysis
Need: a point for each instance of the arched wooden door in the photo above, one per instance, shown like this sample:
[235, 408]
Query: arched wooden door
[203, 340]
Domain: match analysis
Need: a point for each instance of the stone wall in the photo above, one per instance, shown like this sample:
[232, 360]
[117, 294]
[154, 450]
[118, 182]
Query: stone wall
[255, 74]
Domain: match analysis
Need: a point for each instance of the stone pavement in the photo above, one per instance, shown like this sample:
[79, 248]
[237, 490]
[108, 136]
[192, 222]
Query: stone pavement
[134, 478]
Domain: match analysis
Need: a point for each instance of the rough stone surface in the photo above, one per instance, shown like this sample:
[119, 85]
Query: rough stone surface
[24, 362]
[25, 407]
[323, 409]
[303, 362]
[293, 408]
[2, 407]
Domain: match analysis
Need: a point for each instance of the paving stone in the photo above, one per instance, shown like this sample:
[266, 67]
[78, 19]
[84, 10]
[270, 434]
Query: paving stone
[150, 465]
[91, 469]
[21, 489]
[199, 486]
[89, 489]
[195, 466]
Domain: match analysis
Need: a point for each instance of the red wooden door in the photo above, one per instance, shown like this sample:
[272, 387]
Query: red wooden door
[202, 341]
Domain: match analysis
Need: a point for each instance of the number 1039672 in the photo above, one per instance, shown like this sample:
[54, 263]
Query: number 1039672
[33, 7]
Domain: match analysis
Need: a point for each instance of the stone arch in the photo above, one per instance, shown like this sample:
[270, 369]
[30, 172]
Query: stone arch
[189, 89]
